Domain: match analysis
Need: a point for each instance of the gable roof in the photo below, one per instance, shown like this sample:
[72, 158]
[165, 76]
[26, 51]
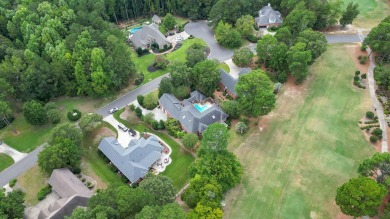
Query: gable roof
[229, 82]
[266, 14]
[146, 35]
[135, 160]
[188, 116]
[156, 19]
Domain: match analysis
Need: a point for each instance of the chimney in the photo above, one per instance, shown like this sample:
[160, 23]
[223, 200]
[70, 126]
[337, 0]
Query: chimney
[269, 4]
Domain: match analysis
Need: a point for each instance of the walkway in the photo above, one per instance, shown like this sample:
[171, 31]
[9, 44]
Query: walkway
[234, 69]
[16, 155]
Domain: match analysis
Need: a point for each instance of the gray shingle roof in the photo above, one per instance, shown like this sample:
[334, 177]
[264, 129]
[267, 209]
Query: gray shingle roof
[266, 15]
[185, 112]
[229, 82]
[147, 35]
[156, 19]
[135, 160]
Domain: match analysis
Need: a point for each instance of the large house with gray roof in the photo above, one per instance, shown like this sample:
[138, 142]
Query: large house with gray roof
[268, 17]
[148, 35]
[134, 160]
[195, 114]
[73, 193]
[228, 82]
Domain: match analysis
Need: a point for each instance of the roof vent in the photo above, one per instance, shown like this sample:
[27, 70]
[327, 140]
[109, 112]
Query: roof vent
[213, 117]
[184, 117]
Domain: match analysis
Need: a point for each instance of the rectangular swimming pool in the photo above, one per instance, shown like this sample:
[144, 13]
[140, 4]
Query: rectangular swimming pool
[201, 108]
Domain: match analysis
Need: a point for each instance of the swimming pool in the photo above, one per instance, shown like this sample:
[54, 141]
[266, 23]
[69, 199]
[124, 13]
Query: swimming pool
[201, 108]
[135, 29]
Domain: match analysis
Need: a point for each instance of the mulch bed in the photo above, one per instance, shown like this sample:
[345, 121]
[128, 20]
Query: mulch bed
[151, 68]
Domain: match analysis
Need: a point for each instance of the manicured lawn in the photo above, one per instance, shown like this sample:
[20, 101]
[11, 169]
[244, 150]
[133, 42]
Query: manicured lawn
[225, 67]
[97, 164]
[181, 160]
[142, 63]
[32, 181]
[310, 145]
[5, 161]
[371, 12]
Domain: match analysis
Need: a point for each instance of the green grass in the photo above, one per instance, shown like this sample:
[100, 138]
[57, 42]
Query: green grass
[162, 29]
[371, 12]
[225, 67]
[6, 161]
[181, 160]
[32, 181]
[142, 63]
[309, 147]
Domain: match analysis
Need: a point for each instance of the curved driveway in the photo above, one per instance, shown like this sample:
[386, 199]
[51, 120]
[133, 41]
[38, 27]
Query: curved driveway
[201, 30]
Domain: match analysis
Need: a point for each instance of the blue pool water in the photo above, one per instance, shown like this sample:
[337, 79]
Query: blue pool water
[201, 108]
[135, 29]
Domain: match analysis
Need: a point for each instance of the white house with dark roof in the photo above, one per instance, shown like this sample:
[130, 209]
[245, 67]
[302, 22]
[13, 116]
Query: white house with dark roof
[148, 35]
[73, 193]
[135, 160]
[268, 17]
[195, 114]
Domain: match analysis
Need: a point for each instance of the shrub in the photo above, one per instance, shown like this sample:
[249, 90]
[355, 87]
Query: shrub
[190, 140]
[138, 112]
[83, 180]
[139, 79]
[363, 60]
[244, 120]
[155, 124]
[363, 48]
[172, 126]
[148, 118]
[160, 61]
[54, 116]
[139, 51]
[74, 115]
[140, 100]
[161, 125]
[369, 115]
[252, 38]
[274, 28]
[44, 192]
[364, 76]
[132, 107]
[191, 37]
[150, 101]
[12, 182]
[34, 113]
[241, 128]
[50, 105]
[377, 132]
[357, 72]
[360, 57]
[356, 78]
[373, 139]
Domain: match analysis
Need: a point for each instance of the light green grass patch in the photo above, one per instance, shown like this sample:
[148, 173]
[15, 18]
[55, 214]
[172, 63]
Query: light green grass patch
[371, 12]
[225, 67]
[32, 181]
[310, 146]
[5, 161]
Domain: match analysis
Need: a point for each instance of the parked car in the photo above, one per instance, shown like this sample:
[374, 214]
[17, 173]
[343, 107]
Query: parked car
[123, 127]
[132, 132]
[113, 110]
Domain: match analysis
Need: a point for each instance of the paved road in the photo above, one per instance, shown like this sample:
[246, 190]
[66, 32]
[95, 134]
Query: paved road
[342, 38]
[131, 96]
[201, 30]
[19, 167]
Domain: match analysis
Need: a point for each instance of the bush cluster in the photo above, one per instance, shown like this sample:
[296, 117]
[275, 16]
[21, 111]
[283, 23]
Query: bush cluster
[74, 115]
[362, 59]
[377, 132]
[370, 115]
[12, 182]
[364, 76]
[139, 79]
[44, 192]
[373, 139]
[357, 72]
[141, 52]
[253, 38]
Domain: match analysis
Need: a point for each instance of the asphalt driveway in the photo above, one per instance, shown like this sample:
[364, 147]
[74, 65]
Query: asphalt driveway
[200, 29]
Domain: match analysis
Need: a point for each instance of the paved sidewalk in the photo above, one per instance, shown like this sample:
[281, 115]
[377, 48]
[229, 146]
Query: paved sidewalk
[16, 155]
[234, 69]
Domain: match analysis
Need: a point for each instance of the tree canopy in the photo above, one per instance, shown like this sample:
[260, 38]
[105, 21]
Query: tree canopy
[379, 40]
[350, 13]
[243, 57]
[160, 187]
[205, 76]
[378, 166]
[11, 204]
[67, 131]
[227, 36]
[215, 138]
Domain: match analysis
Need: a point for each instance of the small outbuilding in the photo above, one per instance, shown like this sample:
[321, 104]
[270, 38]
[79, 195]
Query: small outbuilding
[156, 19]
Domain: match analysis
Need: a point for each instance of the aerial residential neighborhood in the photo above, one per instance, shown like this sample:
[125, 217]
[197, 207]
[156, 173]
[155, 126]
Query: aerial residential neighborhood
[194, 109]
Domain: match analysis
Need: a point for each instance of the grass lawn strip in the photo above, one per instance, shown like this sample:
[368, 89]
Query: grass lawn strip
[310, 146]
[181, 160]
[5, 161]
[32, 181]
[371, 12]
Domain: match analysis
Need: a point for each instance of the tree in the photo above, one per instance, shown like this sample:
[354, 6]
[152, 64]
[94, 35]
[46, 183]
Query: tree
[169, 21]
[172, 210]
[243, 57]
[278, 61]
[202, 211]
[165, 87]
[205, 76]
[378, 166]
[256, 93]
[90, 122]
[299, 19]
[232, 108]
[63, 154]
[360, 196]
[298, 60]
[350, 13]
[229, 11]
[150, 101]
[190, 140]
[245, 25]
[215, 138]
[179, 74]
[382, 77]
[11, 204]
[315, 42]
[265, 48]
[54, 116]
[227, 36]
[241, 128]
[148, 212]
[34, 113]
[65, 131]
[205, 190]
[284, 36]
[5, 113]
[160, 62]
[197, 10]
[379, 40]
[195, 54]
[160, 187]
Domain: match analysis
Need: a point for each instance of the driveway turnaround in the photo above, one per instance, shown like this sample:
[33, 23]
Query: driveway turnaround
[200, 29]
[124, 138]
[131, 96]
[16, 155]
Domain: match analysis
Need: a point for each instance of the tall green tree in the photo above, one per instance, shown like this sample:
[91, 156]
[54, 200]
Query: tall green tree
[378, 167]
[350, 13]
[90, 122]
[265, 47]
[205, 76]
[243, 57]
[215, 138]
[298, 59]
[202, 211]
[360, 197]
[229, 11]
[245, 25]
[195, 54]
[205, 190]
[256, 93]
[169, 21]
[65, 130]
[227, 36]
[34, 113]
[315, 42]
[11, 204]
[160, 187]
[379, 40]
[299, 19]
